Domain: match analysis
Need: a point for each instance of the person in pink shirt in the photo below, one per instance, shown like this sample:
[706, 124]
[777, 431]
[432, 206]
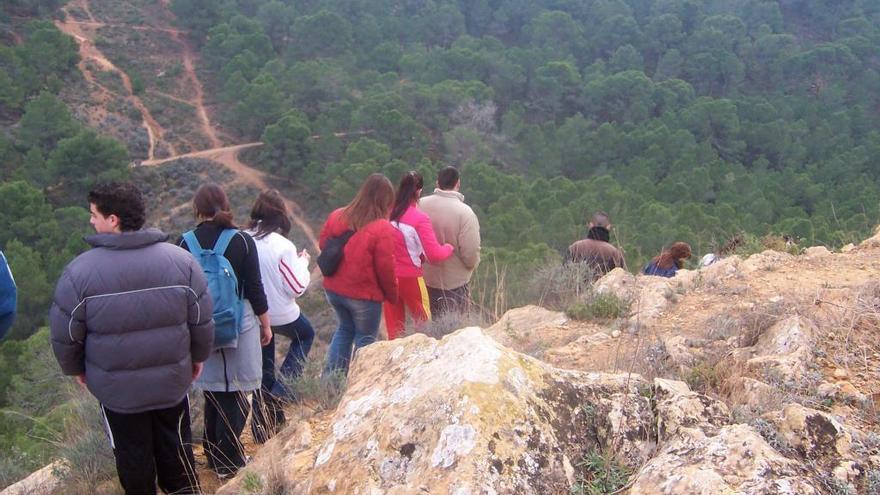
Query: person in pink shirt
[414, 243]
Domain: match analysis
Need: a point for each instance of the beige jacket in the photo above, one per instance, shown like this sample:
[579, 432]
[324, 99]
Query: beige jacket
[454, 222]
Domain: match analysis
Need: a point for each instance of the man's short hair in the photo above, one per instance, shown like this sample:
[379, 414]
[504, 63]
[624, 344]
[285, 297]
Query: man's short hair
[448, 178]
[122, 199]
[600, 219]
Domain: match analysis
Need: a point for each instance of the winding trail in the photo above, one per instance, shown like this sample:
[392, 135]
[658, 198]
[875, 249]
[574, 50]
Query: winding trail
[89, 52]
[224, 155]
[248, 176]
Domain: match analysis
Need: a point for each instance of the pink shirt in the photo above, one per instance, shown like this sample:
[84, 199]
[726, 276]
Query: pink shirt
[415, 243]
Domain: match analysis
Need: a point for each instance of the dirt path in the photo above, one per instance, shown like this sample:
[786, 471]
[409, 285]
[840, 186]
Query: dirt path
[89, 52]
[132, 27]
[172, 97]
[199, 99]
[225, 155]
[245, 175]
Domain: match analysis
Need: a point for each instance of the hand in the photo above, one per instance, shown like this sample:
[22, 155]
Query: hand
[81, 379]
[265, 336]
[305, 254]
[197, 370]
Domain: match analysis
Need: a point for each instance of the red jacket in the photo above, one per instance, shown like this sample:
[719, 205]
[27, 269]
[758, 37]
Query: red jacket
[367, 267]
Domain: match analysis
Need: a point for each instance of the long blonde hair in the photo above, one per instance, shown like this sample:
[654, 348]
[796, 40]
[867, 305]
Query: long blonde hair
[373, 201]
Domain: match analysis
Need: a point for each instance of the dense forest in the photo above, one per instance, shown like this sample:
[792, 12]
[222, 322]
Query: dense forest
[684, 119]
[693, 120]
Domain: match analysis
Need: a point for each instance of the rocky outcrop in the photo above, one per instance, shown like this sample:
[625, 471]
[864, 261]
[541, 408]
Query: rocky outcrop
[784, 351]
[45, 481]
[812, 433]
[466, 415]
[736, 460]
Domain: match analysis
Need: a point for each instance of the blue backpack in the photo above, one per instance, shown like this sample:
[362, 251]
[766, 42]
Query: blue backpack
[223, 286]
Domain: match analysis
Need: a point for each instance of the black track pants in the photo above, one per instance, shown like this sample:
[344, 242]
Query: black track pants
[153, 444]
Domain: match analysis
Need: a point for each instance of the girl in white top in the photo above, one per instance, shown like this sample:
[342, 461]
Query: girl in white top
[285, 277]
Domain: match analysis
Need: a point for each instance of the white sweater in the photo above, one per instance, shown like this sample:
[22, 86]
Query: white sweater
[285, 276]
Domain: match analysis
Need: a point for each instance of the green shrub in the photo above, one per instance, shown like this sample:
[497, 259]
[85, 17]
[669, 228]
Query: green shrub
[600, 474]
[599, 306]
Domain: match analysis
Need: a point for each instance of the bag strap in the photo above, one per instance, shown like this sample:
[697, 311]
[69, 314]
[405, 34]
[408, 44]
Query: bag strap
[224, 240]
[192, 242]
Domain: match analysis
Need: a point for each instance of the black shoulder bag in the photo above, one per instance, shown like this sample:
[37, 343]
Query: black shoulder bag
[331, 255]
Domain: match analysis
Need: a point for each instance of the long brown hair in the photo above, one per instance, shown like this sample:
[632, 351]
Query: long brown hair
[674, 256]
[407, 192]
[211, 202]
[269, 214]
[373, 201]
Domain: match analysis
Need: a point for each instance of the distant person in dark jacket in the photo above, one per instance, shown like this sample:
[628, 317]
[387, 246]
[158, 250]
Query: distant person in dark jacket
[669, 262]
[8, 297]
[596, 250]
[132, 321]
[231, 372]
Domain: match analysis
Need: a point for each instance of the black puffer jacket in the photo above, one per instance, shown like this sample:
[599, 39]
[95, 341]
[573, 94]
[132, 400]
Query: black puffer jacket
[132, 313]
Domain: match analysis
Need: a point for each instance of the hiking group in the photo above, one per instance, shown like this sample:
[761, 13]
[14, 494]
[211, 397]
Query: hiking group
[140, 321]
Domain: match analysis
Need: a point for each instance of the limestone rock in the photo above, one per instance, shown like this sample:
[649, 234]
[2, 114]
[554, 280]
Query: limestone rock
[735, 461]
[872, 242]
[625, 422]
[619, 282]
[721, 269]
[757, 394]
[784, 349]
[847, 248]
[843, 391]
[532, 329]
[766, 260]
[817, 252]
[467, 415]
[678, 407]
[42, 482]
[814, 434]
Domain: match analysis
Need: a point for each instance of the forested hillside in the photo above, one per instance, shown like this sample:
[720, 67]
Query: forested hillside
[685, 119]
[692, 120]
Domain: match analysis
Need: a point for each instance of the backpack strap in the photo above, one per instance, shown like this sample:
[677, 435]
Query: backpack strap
[224, 240]
[192, 242]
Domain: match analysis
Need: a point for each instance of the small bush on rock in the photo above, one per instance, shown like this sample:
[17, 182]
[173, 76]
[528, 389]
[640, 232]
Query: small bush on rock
[602, 306]
[600, 474]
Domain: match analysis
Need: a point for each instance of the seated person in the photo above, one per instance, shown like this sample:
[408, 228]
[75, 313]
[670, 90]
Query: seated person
[669, 261]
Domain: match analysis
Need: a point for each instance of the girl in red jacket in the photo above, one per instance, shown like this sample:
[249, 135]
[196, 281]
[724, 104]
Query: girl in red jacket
[365, 276]
[414, 243]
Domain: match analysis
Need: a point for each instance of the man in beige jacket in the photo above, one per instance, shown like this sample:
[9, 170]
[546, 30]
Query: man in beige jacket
[454, 222]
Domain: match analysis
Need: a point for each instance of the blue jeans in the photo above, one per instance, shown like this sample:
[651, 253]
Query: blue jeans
[268, 415]
[301, 336]
[358, 326]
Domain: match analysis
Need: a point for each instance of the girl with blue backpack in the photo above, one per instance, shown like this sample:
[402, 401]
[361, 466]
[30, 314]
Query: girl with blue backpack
[232, 267]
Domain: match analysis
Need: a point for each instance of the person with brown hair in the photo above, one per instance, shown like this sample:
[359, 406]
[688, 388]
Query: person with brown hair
[285, 276]
[234, 369]
[415, 243]
[365, 276]
[669, 261]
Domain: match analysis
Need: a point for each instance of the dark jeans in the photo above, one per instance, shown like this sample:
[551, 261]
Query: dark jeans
[267, 402]
[153, 444]
[225, 416]
[358, 326]
[449, 300]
